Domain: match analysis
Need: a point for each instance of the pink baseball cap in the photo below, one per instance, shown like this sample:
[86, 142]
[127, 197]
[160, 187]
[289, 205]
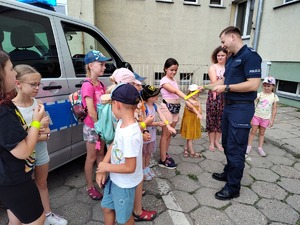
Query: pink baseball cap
[269, 80]
[124, 75]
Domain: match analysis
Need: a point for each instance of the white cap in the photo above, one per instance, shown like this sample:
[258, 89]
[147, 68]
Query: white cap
[193, 87]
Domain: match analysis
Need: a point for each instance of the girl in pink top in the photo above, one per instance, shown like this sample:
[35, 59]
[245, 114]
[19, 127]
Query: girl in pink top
[91, 91]
[171, 95]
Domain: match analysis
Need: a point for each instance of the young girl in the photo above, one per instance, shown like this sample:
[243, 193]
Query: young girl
[265, 112]
[27, 84]
[150, 95]
[91, 92]
[190, 125]
[18, 192]
[215, 101]
[171, 96]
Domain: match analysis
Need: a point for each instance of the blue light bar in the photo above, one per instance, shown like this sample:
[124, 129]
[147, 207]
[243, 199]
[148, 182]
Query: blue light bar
[46, 2]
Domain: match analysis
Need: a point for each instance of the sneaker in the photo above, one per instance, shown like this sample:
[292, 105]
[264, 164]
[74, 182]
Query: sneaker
[167, 164]
[261, 152]
[248, 149]
[54, 219]
[150, 172]
[170, 158]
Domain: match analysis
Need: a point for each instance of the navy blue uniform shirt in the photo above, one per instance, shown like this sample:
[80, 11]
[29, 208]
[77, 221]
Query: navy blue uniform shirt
[246, 63]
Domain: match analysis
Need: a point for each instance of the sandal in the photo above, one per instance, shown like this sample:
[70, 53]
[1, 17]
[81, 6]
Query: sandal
[186, 153]
[211, 148]
[94, 193]
[220, 148]
[195, 155]
[145, 216]
[144, 192]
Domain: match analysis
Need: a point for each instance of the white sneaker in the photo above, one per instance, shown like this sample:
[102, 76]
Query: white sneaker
[150, 172]
[54, 219]
[261, 152]
[248, 149]
[147, 176]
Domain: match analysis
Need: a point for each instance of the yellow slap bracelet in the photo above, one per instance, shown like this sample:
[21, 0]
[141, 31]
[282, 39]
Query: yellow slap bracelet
[206, 87]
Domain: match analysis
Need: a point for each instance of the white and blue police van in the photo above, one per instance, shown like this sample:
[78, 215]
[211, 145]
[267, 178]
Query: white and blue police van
[55, 45]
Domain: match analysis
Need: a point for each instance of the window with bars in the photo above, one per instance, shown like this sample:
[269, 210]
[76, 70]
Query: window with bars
[216, 2]
[288, 87]
[186, 78]
[191, 2]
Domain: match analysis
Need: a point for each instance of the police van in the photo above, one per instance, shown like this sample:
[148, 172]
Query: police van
[55, 45]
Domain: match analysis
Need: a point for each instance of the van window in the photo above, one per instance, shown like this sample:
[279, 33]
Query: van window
[82, 40]
[28, 39]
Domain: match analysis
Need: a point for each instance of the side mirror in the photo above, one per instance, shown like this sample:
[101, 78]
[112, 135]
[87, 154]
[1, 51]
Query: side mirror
[127, 65]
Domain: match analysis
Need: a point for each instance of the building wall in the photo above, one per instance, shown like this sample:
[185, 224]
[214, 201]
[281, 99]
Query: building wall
[280, 32]
[279, 43]
[146, 33]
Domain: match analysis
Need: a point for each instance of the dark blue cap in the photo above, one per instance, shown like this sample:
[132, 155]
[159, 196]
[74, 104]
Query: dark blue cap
[126, 93]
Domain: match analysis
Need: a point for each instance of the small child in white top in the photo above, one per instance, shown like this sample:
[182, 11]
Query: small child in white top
[265, 112]
[123, 159]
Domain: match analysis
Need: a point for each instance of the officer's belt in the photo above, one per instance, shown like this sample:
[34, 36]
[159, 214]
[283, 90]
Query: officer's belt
[231, 102]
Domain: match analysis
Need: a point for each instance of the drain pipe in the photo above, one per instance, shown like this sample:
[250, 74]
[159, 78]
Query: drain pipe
[257, 25]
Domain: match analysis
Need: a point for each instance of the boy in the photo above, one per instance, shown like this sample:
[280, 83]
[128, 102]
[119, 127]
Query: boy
[123, 160]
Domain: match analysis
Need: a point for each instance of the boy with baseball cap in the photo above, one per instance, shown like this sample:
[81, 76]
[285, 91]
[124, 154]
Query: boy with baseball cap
[123, 160]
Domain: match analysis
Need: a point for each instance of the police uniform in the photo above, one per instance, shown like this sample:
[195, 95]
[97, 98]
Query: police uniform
[237, 114]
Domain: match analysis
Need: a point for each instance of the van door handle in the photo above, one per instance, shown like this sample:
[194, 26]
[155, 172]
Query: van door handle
[46, 88]
[78, 85]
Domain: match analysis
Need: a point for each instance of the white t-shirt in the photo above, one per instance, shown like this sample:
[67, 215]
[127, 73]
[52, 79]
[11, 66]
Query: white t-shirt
[264, 105]
[128, 143]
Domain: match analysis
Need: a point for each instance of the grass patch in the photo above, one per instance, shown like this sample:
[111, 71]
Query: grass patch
[177, 172]
[193, 177]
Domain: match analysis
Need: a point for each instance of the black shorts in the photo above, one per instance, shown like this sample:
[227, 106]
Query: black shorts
[23, 200]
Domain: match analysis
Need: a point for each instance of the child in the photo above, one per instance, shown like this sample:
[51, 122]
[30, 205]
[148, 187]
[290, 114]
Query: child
[28, 83]
[171, 95]
[265, 112]
[91, 92]
[150, 95]
[123, 160]
[190, 126]
[124, 75]
[18, 192]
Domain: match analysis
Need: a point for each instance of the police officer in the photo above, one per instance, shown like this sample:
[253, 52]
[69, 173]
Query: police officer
[242, 79]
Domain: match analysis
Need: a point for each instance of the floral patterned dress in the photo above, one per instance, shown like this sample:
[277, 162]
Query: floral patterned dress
[214, 107]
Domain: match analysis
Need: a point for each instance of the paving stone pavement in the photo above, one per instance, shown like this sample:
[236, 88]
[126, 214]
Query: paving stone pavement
[270, 192]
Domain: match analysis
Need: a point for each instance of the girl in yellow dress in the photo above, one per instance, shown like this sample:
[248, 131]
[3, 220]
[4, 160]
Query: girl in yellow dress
[190, 125]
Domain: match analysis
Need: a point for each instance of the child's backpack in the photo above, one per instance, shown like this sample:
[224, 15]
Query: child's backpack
[155, 108]
[105, 126]
[79, 111]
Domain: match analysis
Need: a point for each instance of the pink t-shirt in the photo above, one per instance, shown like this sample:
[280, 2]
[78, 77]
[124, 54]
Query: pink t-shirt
[92, 91]
[165, 93]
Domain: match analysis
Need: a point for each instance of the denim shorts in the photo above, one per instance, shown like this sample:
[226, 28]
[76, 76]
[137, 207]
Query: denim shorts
[41, 154]
[89, 134]
[119, 199]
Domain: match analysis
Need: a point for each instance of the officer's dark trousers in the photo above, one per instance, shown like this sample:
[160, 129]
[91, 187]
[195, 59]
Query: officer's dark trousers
[235, 131]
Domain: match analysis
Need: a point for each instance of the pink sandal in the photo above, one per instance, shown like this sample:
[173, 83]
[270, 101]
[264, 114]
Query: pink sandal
[94, 193]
